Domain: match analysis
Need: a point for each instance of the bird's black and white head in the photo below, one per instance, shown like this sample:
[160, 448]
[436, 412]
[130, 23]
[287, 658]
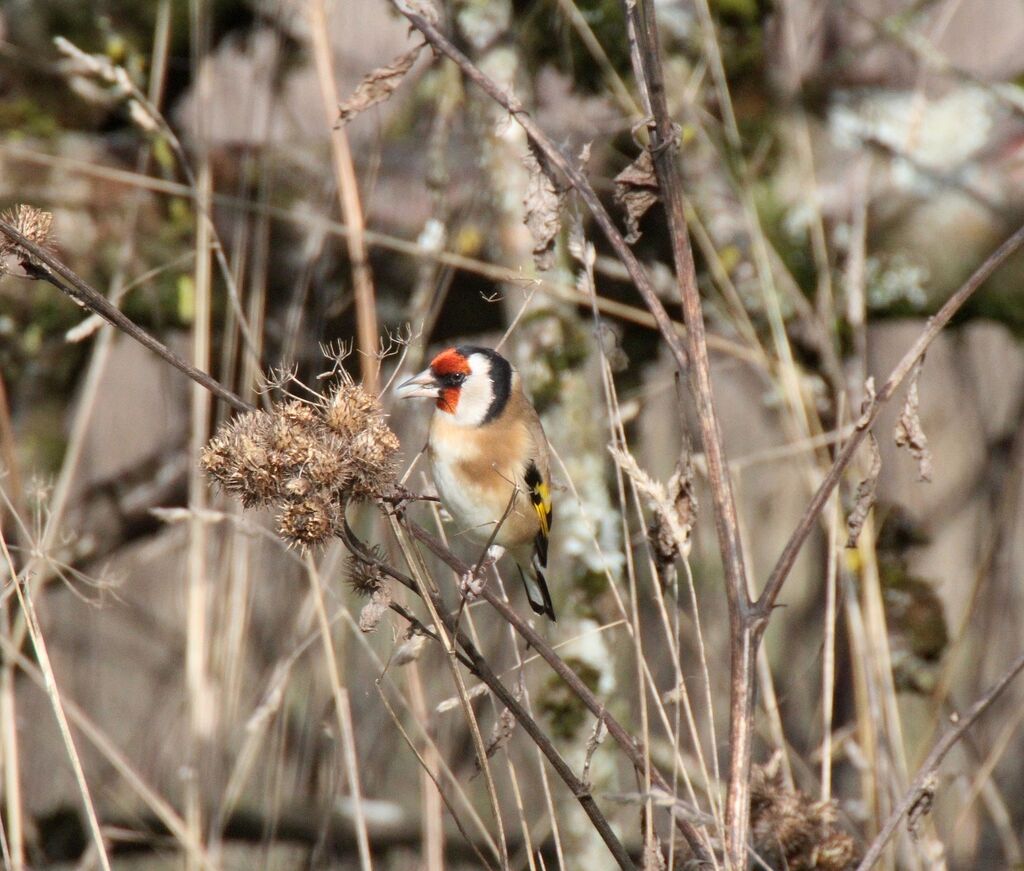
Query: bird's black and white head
[470, 383]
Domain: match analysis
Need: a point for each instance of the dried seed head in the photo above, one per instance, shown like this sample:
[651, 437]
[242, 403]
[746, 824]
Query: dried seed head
[365, 577]
[309, 458]
[298, 414]
[372, 454]
[352, 410]
[837, 853]
[326, 467]
[308, 522]
[790, 830]
[238, 459]
[35, 225]
[298, 488]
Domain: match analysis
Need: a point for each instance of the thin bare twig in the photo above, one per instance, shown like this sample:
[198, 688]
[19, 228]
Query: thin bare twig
[633, 748]
[917, 791]
[49, 268]
[479, 667]
[936, 324]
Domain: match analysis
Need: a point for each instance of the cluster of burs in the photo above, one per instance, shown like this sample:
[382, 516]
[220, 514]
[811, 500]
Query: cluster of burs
[306, 459]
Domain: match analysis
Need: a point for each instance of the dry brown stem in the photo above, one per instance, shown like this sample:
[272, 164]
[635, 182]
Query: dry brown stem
[742, 623]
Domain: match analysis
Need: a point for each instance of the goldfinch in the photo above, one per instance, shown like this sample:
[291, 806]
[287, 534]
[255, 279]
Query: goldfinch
[485, 443]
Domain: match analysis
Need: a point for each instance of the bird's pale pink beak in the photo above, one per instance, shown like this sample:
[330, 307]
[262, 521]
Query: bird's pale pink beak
[424, 384]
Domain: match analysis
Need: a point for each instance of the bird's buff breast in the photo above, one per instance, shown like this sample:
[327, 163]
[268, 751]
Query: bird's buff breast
[475, 481]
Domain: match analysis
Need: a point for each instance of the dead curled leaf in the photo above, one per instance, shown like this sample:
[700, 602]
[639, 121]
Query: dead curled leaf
[636, 189]
[909, 433]
[378, 85]
[502, 731]
[865, 496]
[375, 609]
[867, 404]
[543, 202]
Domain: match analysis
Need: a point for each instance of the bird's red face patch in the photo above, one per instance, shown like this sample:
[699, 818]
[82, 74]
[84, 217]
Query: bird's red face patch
[450, 368]
[449, 362]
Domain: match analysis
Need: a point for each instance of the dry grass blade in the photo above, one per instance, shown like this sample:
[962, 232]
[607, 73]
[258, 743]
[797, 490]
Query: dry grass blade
[479, 666]
[53, 693]
[163, 811]
[429, 773]
[634, 749]
[343, 713]
[348, 195]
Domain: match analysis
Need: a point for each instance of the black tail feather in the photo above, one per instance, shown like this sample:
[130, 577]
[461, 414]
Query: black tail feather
[539, 585]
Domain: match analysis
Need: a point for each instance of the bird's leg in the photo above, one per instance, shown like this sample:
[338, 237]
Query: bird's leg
[491, 556]
[471, 584]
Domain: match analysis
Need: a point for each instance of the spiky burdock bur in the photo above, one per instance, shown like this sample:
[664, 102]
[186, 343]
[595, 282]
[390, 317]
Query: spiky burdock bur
[364, 575]
[356, 417]
[307, 459]
[792, 831]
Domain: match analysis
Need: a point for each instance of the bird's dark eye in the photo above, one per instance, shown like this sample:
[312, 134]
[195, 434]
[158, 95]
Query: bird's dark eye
[455, 379]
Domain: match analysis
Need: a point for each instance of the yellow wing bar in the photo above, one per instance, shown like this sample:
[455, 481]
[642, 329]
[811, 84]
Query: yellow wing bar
[540, 496]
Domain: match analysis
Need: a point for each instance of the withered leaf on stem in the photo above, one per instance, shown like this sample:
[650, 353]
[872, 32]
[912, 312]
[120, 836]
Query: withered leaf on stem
[543, 202]
[378, 85]
[865, 497]
[636, 190]
[502, 731]
[374, 610]
[909, 433]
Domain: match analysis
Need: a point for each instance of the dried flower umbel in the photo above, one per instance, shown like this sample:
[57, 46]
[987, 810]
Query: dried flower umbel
[306, 459]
